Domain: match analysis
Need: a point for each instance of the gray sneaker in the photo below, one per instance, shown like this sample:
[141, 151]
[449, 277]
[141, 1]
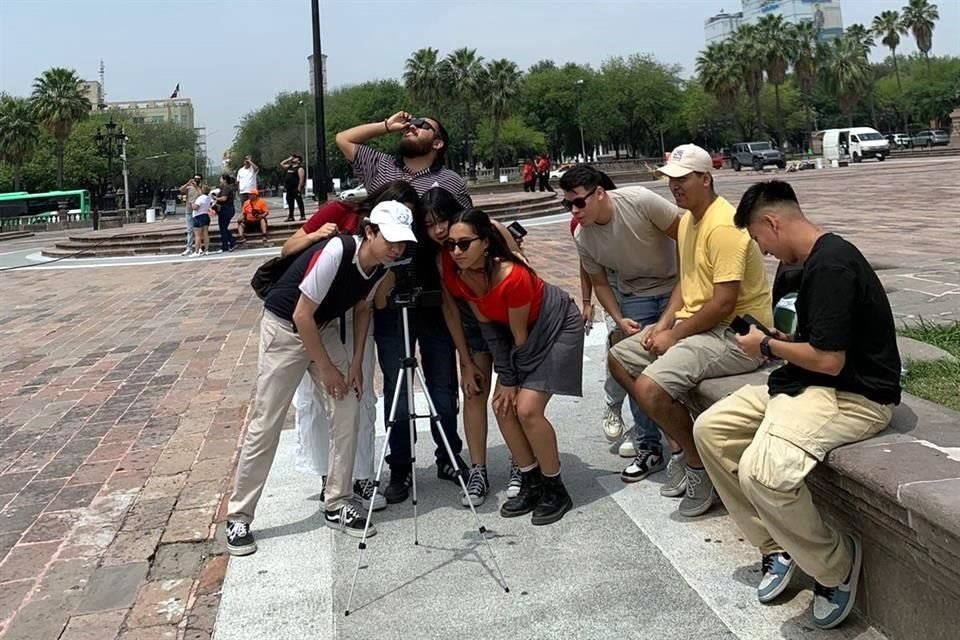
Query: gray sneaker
[676, 483]
[777, 568]
[699, 496]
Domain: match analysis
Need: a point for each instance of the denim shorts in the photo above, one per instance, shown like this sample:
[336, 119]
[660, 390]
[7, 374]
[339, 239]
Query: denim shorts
[471, 328]
[202, 220]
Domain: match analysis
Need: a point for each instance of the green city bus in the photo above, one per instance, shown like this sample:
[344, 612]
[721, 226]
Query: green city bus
[33, 208]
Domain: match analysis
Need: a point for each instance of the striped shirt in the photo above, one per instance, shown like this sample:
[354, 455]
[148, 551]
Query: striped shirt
[376, 168]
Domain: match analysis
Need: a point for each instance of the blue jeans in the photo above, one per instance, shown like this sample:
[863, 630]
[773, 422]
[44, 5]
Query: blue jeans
[227, 241]
[188, 216]
[438, 358]
[645, 310]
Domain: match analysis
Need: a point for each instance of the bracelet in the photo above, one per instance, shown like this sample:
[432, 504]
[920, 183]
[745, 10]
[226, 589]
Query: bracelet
[585, 301]
[386, 127]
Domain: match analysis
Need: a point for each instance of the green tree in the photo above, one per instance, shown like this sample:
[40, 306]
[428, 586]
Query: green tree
[920, 17]
[888, 27]
[59, 104]
[18, 134]
[421, 76]
[864, 39]
[848, 73]
[806, 60]
[517, 141]
[779, 51]
[718, 69]
[751, 51]
[462, 75]
[501, 91]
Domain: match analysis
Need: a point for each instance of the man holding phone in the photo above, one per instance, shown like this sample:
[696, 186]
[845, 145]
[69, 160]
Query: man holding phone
[839, 385]
[721, 276]
[419, 159]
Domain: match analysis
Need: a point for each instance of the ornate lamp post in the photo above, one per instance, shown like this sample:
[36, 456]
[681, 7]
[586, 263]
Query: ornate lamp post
[110, 145]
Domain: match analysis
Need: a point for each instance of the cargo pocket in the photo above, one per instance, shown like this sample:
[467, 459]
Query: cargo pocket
[778, 464]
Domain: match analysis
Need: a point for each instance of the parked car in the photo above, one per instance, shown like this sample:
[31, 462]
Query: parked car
[717, 160]
[757, 155]
[556, 174]
[359, 192]
[931, 138]
[899, 141]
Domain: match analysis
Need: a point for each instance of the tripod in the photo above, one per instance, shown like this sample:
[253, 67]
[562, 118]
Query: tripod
[408, 367]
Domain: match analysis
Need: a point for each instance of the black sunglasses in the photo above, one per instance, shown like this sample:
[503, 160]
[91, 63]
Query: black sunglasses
[421, 123]
[579, 203]
[463, 245]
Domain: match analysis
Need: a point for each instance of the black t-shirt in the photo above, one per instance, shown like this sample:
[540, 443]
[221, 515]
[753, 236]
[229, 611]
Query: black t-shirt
[841, 306]
[291, 178]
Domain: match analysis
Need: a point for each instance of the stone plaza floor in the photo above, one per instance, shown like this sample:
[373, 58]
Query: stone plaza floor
[124, 385]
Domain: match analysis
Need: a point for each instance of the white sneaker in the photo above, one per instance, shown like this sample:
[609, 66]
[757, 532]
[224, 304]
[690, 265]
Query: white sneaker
[201, 253]
[187, 252]
[628, 449]
[612, 424]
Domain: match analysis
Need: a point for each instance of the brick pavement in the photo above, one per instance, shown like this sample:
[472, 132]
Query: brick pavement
[123, 394]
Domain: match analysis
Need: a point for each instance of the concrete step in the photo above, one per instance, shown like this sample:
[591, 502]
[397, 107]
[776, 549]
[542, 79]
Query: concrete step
[13, 235]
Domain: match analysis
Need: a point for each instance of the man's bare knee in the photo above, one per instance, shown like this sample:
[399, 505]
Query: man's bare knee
[649, 394]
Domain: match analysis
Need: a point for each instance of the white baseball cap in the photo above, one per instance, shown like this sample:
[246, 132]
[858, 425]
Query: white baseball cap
[395, 221]
[686, 159]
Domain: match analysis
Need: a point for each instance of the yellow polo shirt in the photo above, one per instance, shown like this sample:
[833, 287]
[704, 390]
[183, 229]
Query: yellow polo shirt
[714, 251]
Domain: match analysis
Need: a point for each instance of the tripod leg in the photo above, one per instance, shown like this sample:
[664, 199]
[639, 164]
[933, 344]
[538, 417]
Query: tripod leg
[391, 423]
[435, 417]
[412, 423]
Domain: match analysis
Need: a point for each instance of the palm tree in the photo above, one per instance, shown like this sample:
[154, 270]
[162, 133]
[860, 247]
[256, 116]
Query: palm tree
[18, 134]
[58, 104]
[501, 91]
[719, 71]
[848, 73]
[888, 26]
[422, 76]
[863, 38]
[807, 54]
[779, 45]
[919, 16]
[750, 49]
[461, 75]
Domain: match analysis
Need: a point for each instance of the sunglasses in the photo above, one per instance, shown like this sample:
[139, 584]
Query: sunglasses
[463, 245]
[421, 123]
[579, 203]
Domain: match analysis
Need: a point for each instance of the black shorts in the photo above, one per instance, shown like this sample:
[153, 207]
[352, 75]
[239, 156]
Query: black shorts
[250, 226]
[202, 220]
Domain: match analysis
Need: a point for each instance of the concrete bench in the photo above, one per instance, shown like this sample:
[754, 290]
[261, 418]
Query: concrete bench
[900, 491]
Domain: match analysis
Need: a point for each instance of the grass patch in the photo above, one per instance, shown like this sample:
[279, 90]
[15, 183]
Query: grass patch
[937, 381]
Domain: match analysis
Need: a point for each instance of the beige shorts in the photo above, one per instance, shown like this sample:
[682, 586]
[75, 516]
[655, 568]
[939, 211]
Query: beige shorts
[712, 354]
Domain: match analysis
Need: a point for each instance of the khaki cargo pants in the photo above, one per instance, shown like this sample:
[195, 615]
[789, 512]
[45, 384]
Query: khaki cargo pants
[758, 452]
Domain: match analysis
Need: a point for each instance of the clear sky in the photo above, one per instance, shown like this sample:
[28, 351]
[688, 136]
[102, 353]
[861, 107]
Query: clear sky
[232, 57]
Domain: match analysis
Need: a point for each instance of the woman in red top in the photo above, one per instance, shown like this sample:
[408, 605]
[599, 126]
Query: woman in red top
[528, 172]
[535, 334]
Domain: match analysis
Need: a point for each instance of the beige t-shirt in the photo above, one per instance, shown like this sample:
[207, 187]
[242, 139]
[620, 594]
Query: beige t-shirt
[633, 244]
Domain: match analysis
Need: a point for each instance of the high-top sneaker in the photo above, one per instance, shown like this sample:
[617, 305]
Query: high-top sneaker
[554, 502]
[531, 487]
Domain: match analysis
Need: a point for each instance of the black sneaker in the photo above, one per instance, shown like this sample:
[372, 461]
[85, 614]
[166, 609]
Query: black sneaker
[323, 488]
[289, 219]
[531, 488]
[240, 540]
[554, 502]
[401, 478]
[477, 487]
[348, 520]
[647, 461]
[446, 470]
[363, 493]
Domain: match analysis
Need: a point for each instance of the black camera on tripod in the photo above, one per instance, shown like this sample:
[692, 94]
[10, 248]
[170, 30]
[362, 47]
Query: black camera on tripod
[407, 292]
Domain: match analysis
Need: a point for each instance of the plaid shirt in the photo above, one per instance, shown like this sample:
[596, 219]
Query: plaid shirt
[376, 168]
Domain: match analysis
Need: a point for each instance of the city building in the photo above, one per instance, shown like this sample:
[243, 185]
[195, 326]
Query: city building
[176, 110]
[721, 26]
[93, 91]
[825, 14]
[323, 70]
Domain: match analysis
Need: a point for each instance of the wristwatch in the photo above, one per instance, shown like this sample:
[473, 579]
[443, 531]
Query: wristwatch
[765, 347]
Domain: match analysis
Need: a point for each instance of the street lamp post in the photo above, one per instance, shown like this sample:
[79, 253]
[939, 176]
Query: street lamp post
[583, 147]
[110, 144]
[321, 169]
[306, 148]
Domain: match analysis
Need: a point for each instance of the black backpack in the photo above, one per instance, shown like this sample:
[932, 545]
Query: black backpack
[269, 272]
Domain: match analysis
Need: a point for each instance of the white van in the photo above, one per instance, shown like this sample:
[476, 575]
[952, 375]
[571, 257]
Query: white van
[855, 143]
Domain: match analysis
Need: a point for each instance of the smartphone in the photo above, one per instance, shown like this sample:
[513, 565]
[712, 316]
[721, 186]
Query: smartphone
[741, 325]
[516, 230]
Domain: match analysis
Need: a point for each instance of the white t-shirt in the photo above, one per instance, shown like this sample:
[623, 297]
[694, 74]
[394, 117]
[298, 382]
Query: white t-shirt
[633, 244]
[247, 179]
[316, 283]
[203, 205]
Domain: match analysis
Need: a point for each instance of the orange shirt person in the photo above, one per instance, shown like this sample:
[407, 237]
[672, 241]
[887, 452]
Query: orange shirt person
[255, 212]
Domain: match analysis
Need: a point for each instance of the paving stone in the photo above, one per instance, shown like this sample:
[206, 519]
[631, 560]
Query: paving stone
[203, 614]
[113, 587]
[93, 472]
[179, 560]
[104, 625]
[39, 619]
[51, 526]
[138, 545]
[162, 632]
[160, 602]
[75, 497]
[201, 494]
[27, 561]
[38, 492]
[12, 594]
[113, 451]
[14, 482]
[163, 486]
[212, 574]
